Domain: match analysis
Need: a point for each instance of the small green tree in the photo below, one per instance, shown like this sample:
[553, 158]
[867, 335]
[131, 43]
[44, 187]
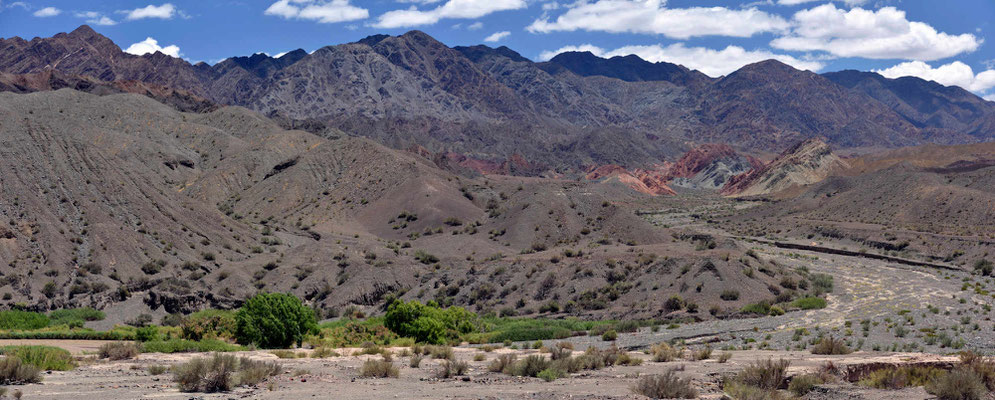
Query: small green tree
[274, 320]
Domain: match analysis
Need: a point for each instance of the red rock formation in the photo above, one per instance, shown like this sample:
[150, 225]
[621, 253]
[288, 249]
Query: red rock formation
[640, 180]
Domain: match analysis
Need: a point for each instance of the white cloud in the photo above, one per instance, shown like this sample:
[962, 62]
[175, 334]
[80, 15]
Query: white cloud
[165, 11]
[476, 25]
[327, 12]
[95, 18]
[652, 17]
[952, 74]
[278, 55]
[47, 12]
[150, 45]
[797, 2]
[990, 97]
[465, 9]
[497, 36]
[881, 34]
[711, 62]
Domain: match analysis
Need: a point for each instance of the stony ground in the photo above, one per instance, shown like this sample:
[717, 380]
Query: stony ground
[337, 377]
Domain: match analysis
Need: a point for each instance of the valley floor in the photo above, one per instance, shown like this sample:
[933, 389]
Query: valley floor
[891, 314]
[337, 377]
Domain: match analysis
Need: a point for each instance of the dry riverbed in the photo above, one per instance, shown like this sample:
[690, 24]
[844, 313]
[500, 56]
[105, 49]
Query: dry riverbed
[338, 377]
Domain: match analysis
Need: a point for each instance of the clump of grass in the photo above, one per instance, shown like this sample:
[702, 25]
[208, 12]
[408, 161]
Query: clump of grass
[664, 352]
[449, 369]
[802, 384]
[221, 372]
[45, 358]
[702, 354]
[371, 348]
[809, 303]
[415, 360]
[724, 357]
[379, 369]
[549, 374]
[766, 374]
[119, 350]
[665, 386]
[157, 369]
[288, 354]
[503, 363]
[13, 371]
[324, 352]
[901, 377]
[831, 346]
[440, 352]
[530, 366]
[478, 357]
[188, 346]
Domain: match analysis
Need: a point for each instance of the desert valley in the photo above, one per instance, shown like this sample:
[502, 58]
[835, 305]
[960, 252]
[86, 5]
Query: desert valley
[397, 218]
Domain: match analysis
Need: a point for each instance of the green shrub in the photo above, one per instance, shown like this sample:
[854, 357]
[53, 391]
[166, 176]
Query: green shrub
[802, 384]
[762, 308]
[22, 320]
[610, 335]
[85, 334]
[119, 350]
[188, 346]
[274, 320]
[429, 323]
[665, 386]
[13, 371]
[549, 374]
[75, 316]
[209, 324]
[809, 303]
[46, 358]
[147, 334]
[959, 384]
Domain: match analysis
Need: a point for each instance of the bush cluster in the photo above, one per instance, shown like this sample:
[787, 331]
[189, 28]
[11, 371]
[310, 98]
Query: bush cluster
[429, 323]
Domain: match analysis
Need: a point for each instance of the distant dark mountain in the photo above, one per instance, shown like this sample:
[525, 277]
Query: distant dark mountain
[629, 68]
[767, 103]
[489, 106]
[925, 104]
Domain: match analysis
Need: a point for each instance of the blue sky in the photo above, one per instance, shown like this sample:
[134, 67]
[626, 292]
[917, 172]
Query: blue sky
[945, 41]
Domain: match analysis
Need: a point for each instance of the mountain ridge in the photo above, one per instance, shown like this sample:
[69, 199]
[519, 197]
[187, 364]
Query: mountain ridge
[492, 104]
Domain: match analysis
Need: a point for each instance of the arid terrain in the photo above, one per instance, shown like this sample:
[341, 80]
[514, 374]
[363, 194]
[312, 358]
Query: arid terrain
[617, 220]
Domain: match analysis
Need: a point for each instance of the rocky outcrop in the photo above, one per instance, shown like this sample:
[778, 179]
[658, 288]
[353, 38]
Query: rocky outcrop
[806, 163]
[640, 180]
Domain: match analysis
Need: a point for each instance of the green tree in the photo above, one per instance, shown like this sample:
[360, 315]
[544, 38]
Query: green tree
[274, 320]
[429, 323]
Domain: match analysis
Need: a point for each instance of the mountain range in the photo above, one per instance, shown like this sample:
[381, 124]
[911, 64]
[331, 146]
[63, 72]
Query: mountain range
[490, 106]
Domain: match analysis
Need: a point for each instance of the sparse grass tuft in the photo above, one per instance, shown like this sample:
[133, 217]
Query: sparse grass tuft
[665, 386]
[119, 350]
[831, 346]
[379, 369]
